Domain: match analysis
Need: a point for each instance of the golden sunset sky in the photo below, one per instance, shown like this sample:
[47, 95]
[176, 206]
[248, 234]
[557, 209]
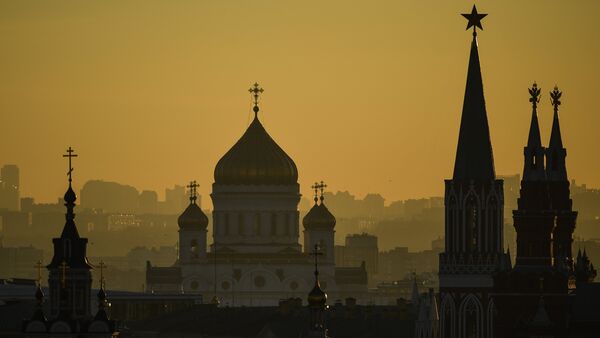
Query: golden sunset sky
[365, 95]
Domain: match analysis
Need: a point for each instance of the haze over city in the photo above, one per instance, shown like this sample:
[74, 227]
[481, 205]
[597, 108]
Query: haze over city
[152, 95]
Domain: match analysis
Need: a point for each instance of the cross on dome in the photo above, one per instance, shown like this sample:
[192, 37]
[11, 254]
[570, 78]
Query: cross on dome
[315, 252]
[255, 90]
[102, 266]
[70, 154]
[193, 192]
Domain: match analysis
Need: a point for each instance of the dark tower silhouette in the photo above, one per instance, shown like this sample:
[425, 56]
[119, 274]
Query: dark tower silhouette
[474, 215]
[534, 220]
[70, 278]
[558, 184]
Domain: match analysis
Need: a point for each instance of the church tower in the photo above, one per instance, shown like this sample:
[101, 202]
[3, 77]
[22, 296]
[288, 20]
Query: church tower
[192, 230]
[319, 226]
[70, 278]
[474, 203]
[256, 194]
[558, 184]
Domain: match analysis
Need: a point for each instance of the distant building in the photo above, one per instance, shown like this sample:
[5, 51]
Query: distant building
[148, 202]
[359, 249]
[9, 187]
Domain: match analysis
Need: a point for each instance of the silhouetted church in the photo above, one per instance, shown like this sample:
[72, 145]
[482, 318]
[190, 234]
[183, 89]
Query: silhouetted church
[545, 294]
[255, 258]
[70, 286]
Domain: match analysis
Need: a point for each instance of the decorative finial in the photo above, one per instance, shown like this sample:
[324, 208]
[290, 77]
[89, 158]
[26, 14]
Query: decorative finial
[474, 20]
[193, 192]
[316, 253]
[255, 90]
[315, 187]
[555, 98]
[535, 93]
[70, 154]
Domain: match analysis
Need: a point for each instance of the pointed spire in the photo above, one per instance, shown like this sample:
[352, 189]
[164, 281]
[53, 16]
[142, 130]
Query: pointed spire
[474, 157]
[555, 164]
[533, 169]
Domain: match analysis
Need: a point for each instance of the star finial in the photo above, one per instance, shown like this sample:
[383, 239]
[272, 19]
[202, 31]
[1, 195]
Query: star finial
[255, 90]
[474, 19]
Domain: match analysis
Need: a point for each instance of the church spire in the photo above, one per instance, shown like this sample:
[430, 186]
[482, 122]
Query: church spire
[533, 169]
[556, 153]
[474, 158]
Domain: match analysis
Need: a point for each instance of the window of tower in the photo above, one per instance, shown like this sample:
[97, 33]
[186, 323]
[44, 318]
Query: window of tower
[194, 248]
[257, 225]
[533, 161]
[471, 224]
[273, 224]
[240, 224]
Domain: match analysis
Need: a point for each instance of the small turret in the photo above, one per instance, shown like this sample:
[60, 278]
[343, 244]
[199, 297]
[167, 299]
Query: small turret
[584, 269]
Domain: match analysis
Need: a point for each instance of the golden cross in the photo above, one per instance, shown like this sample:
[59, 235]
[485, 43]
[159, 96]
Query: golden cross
[38, 265]
[193, 192]
[70, 154]
[255, 90]
[63, 278]
[102, 266]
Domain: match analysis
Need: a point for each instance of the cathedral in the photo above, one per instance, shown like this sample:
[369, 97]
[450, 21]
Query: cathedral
[483, 295]
[255, 258]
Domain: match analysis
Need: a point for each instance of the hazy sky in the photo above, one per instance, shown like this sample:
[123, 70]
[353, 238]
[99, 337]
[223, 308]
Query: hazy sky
[365, 95]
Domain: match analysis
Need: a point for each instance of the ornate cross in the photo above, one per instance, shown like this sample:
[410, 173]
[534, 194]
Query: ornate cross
[38, 266]
[63, 277]
[70, 154]
[102, 266]
[535, 93]
[193, 193]
[255, 90]
[322, 187]
[315, 187]
[555, 97]
[316, 253]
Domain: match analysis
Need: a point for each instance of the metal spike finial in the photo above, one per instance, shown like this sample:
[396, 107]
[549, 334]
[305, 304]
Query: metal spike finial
[255, 90]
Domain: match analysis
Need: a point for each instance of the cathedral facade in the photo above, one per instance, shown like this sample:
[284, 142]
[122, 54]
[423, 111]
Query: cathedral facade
[256, 257]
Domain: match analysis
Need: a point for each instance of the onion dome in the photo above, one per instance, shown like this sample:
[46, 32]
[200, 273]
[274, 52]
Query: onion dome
[192, 218]
[319, 217]
[317, 297]
[256, 159]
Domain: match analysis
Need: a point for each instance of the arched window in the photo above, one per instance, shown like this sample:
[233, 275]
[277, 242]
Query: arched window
[471, 225]
[194, 248]
[471, 313]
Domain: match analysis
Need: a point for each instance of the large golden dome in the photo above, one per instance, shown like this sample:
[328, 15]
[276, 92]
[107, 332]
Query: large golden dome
[256, 160]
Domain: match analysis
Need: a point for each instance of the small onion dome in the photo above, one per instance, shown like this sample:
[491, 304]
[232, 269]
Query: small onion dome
[70, 196]
[319, 217]
[193, 218]
[317, 297]
[256, 160]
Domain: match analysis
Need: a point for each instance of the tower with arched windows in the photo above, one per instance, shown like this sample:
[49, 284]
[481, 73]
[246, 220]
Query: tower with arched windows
[474, 203]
